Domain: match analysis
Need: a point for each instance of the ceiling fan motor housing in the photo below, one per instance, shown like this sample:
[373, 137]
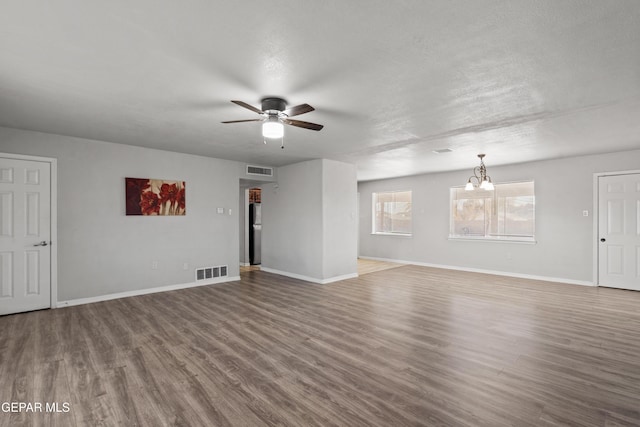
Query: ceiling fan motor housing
[273, 104]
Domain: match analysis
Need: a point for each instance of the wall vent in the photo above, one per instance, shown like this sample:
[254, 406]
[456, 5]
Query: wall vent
[207, 273]
[259, 170]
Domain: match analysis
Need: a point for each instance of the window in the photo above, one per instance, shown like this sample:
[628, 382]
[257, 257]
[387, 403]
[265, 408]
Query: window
[392, 213]
[506, 213]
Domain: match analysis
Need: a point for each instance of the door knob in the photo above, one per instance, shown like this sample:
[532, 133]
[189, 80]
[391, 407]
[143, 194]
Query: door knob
[43, 243]
[603, 240]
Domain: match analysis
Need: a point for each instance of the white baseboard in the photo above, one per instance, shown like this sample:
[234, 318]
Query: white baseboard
[308, 278]
[481, 270]
[137, 292]
[245, 264]
[339, 278]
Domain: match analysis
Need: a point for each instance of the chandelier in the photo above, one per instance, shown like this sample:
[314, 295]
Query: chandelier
[483, 181]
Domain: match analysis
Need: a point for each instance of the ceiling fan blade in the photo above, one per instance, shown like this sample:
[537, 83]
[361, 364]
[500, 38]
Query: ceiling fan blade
[301, 124]
[298, 109]
[247, 106]
[240, 121]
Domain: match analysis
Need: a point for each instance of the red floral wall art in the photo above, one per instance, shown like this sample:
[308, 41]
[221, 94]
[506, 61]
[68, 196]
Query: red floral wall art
[154, 197]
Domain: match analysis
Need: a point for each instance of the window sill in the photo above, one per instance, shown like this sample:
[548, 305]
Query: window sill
[521, 241]
[392, 234]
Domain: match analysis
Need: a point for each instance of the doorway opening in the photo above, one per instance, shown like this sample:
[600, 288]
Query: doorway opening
[250, 213]
[254, 227]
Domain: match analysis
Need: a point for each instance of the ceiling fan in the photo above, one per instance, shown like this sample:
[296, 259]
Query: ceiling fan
[275, 114]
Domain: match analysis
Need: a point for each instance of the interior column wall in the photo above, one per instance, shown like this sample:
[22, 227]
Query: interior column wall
[309, 224]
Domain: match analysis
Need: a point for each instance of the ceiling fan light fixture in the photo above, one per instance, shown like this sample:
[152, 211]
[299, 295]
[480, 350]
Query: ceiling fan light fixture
[273, 129]
[274, 115]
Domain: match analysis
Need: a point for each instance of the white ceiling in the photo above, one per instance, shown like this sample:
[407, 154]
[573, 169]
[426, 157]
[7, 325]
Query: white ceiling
[390, 80]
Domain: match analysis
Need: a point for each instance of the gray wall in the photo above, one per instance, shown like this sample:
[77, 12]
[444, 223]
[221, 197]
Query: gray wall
[292, 220]
[565, 241]
[339, 205]
[102, 251]
[309, 224]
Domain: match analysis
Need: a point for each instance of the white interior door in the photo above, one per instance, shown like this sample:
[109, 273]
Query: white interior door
[25, 234]
[619, 231]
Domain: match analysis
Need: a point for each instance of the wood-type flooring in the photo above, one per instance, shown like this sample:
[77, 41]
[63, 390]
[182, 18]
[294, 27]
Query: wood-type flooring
[406, 346]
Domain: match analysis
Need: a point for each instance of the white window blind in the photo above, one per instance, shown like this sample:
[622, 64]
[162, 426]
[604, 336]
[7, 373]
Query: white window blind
[392, 213]
[506, 213]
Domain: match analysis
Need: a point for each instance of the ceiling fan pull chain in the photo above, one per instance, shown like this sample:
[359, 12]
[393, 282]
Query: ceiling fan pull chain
[282, 145]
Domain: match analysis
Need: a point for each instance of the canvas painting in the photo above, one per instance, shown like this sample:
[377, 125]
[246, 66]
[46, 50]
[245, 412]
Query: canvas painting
[155, 197]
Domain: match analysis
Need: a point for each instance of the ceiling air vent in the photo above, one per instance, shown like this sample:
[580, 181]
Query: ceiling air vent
[259, 170]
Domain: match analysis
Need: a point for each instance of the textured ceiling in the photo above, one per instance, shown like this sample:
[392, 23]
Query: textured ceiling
[390, 80]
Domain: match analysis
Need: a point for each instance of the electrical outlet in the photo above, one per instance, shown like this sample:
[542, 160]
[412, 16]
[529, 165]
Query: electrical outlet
[154, 265]
[585, 213]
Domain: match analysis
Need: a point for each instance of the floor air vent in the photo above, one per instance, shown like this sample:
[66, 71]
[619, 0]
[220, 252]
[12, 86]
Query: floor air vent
[211, 272]
[259, 170]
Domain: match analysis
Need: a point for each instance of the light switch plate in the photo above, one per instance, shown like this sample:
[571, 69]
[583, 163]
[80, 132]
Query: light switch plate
[220, 210]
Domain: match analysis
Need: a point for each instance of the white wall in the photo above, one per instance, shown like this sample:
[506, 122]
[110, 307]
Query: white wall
[101, 250]
[565, 241]
[309, 224]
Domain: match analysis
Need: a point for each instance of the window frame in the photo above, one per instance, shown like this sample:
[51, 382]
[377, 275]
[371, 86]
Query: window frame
[374, 195]
[488, 237]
